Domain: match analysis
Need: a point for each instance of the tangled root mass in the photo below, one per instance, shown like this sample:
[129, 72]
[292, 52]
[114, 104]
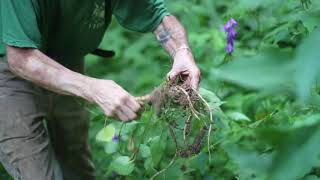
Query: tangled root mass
[173, 102]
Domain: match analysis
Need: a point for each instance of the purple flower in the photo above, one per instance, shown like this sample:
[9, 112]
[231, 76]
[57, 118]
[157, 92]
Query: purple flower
[229, 48]
[229, 28]
[231, 24]
[115, 138]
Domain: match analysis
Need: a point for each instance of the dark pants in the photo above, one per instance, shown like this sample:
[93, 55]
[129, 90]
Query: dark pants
[43, 135]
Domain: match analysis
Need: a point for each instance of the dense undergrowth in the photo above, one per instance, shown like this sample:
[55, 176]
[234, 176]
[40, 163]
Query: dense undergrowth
[269, 123]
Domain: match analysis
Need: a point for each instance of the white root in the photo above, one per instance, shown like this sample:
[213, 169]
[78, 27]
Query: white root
[193, 110]
[211, 122]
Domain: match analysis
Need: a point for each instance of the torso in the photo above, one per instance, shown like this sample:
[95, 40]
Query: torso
[73, 28]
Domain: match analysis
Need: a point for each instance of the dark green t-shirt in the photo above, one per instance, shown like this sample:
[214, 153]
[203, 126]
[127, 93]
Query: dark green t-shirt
[70, 29]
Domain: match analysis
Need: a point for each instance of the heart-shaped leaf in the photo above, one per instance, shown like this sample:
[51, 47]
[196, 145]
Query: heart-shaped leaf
[106, 134]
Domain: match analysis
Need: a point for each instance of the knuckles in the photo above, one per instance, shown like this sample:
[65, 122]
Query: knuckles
[124, 98]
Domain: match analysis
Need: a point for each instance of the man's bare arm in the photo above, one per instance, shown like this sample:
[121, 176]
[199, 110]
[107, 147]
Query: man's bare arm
[34, 66]
[172, 35]
[173, 38]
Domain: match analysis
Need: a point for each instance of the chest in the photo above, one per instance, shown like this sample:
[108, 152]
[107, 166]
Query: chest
[77, 27]
[88, 14]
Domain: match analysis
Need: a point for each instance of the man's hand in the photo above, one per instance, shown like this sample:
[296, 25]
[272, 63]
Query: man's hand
[173, 38]
[113, 100]
[33, 65]
[185, 67]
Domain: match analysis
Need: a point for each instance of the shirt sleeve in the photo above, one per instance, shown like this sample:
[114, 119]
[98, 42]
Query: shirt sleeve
[141, 15]
[19, 23]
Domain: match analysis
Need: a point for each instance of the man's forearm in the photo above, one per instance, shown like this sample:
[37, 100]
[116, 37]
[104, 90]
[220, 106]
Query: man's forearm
[172, 35]
[36, 67]
[173, 38]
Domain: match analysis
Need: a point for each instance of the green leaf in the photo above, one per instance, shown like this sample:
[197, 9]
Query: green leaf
[111, 147]
[157, 148]
[106, 134]
[212, 99]
[267, 70]
[148, 166]
[308, 65]
[249, 163]
[145, 151]
[122, 165]
[293, 147]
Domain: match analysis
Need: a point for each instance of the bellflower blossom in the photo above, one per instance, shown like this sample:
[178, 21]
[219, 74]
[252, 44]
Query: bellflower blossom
[229, 28]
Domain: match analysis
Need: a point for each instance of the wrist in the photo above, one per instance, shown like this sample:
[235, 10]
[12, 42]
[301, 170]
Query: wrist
[85, 88]
[182, 49]
[183, 55]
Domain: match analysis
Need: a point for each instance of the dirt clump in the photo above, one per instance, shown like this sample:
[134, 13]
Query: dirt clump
[181, 95]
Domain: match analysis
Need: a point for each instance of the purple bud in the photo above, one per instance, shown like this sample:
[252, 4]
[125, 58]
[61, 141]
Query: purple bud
[229, 28]
[231, 24]
[115, 138]
[230, 38]
[229, 48]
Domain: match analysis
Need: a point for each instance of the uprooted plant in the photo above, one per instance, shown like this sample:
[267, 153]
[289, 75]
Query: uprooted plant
[180, 104]
[188, 115]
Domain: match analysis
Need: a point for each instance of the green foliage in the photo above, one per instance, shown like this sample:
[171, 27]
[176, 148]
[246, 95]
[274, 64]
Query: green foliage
[268, 124]
[267, 127]
[122, 165]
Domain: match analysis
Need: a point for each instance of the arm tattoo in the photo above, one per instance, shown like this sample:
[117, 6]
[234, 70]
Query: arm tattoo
[164, 35]
[172, 35]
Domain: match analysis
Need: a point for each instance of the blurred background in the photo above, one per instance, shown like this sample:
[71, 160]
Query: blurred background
[270, 128]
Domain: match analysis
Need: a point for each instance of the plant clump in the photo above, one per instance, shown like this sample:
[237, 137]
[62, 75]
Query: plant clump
[187, 114]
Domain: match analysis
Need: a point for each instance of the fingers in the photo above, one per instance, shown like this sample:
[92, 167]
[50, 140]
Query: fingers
[192, 77]
[172, 75]
[130, 115]
[127, 109]
[133, 104]
[119, 114]
[195, 80]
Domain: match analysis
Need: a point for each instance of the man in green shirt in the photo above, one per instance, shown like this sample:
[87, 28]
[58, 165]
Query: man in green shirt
[42, 45]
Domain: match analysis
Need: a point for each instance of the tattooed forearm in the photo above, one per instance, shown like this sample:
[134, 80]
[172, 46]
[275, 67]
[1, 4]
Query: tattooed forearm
[172, 35]
[164, 35]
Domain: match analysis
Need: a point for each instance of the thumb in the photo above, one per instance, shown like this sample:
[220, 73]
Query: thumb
[194, 82]
[172, 75]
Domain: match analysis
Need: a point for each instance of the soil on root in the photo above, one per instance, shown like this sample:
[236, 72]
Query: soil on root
[173, 101]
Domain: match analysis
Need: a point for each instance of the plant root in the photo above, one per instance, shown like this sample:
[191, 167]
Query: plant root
[170, 99]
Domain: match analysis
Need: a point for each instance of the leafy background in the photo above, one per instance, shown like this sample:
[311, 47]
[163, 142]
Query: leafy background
[270, 126]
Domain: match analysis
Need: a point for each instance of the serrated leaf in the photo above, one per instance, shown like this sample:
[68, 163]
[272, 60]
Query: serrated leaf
[122, 165]
[212, 99]
[106, 134]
